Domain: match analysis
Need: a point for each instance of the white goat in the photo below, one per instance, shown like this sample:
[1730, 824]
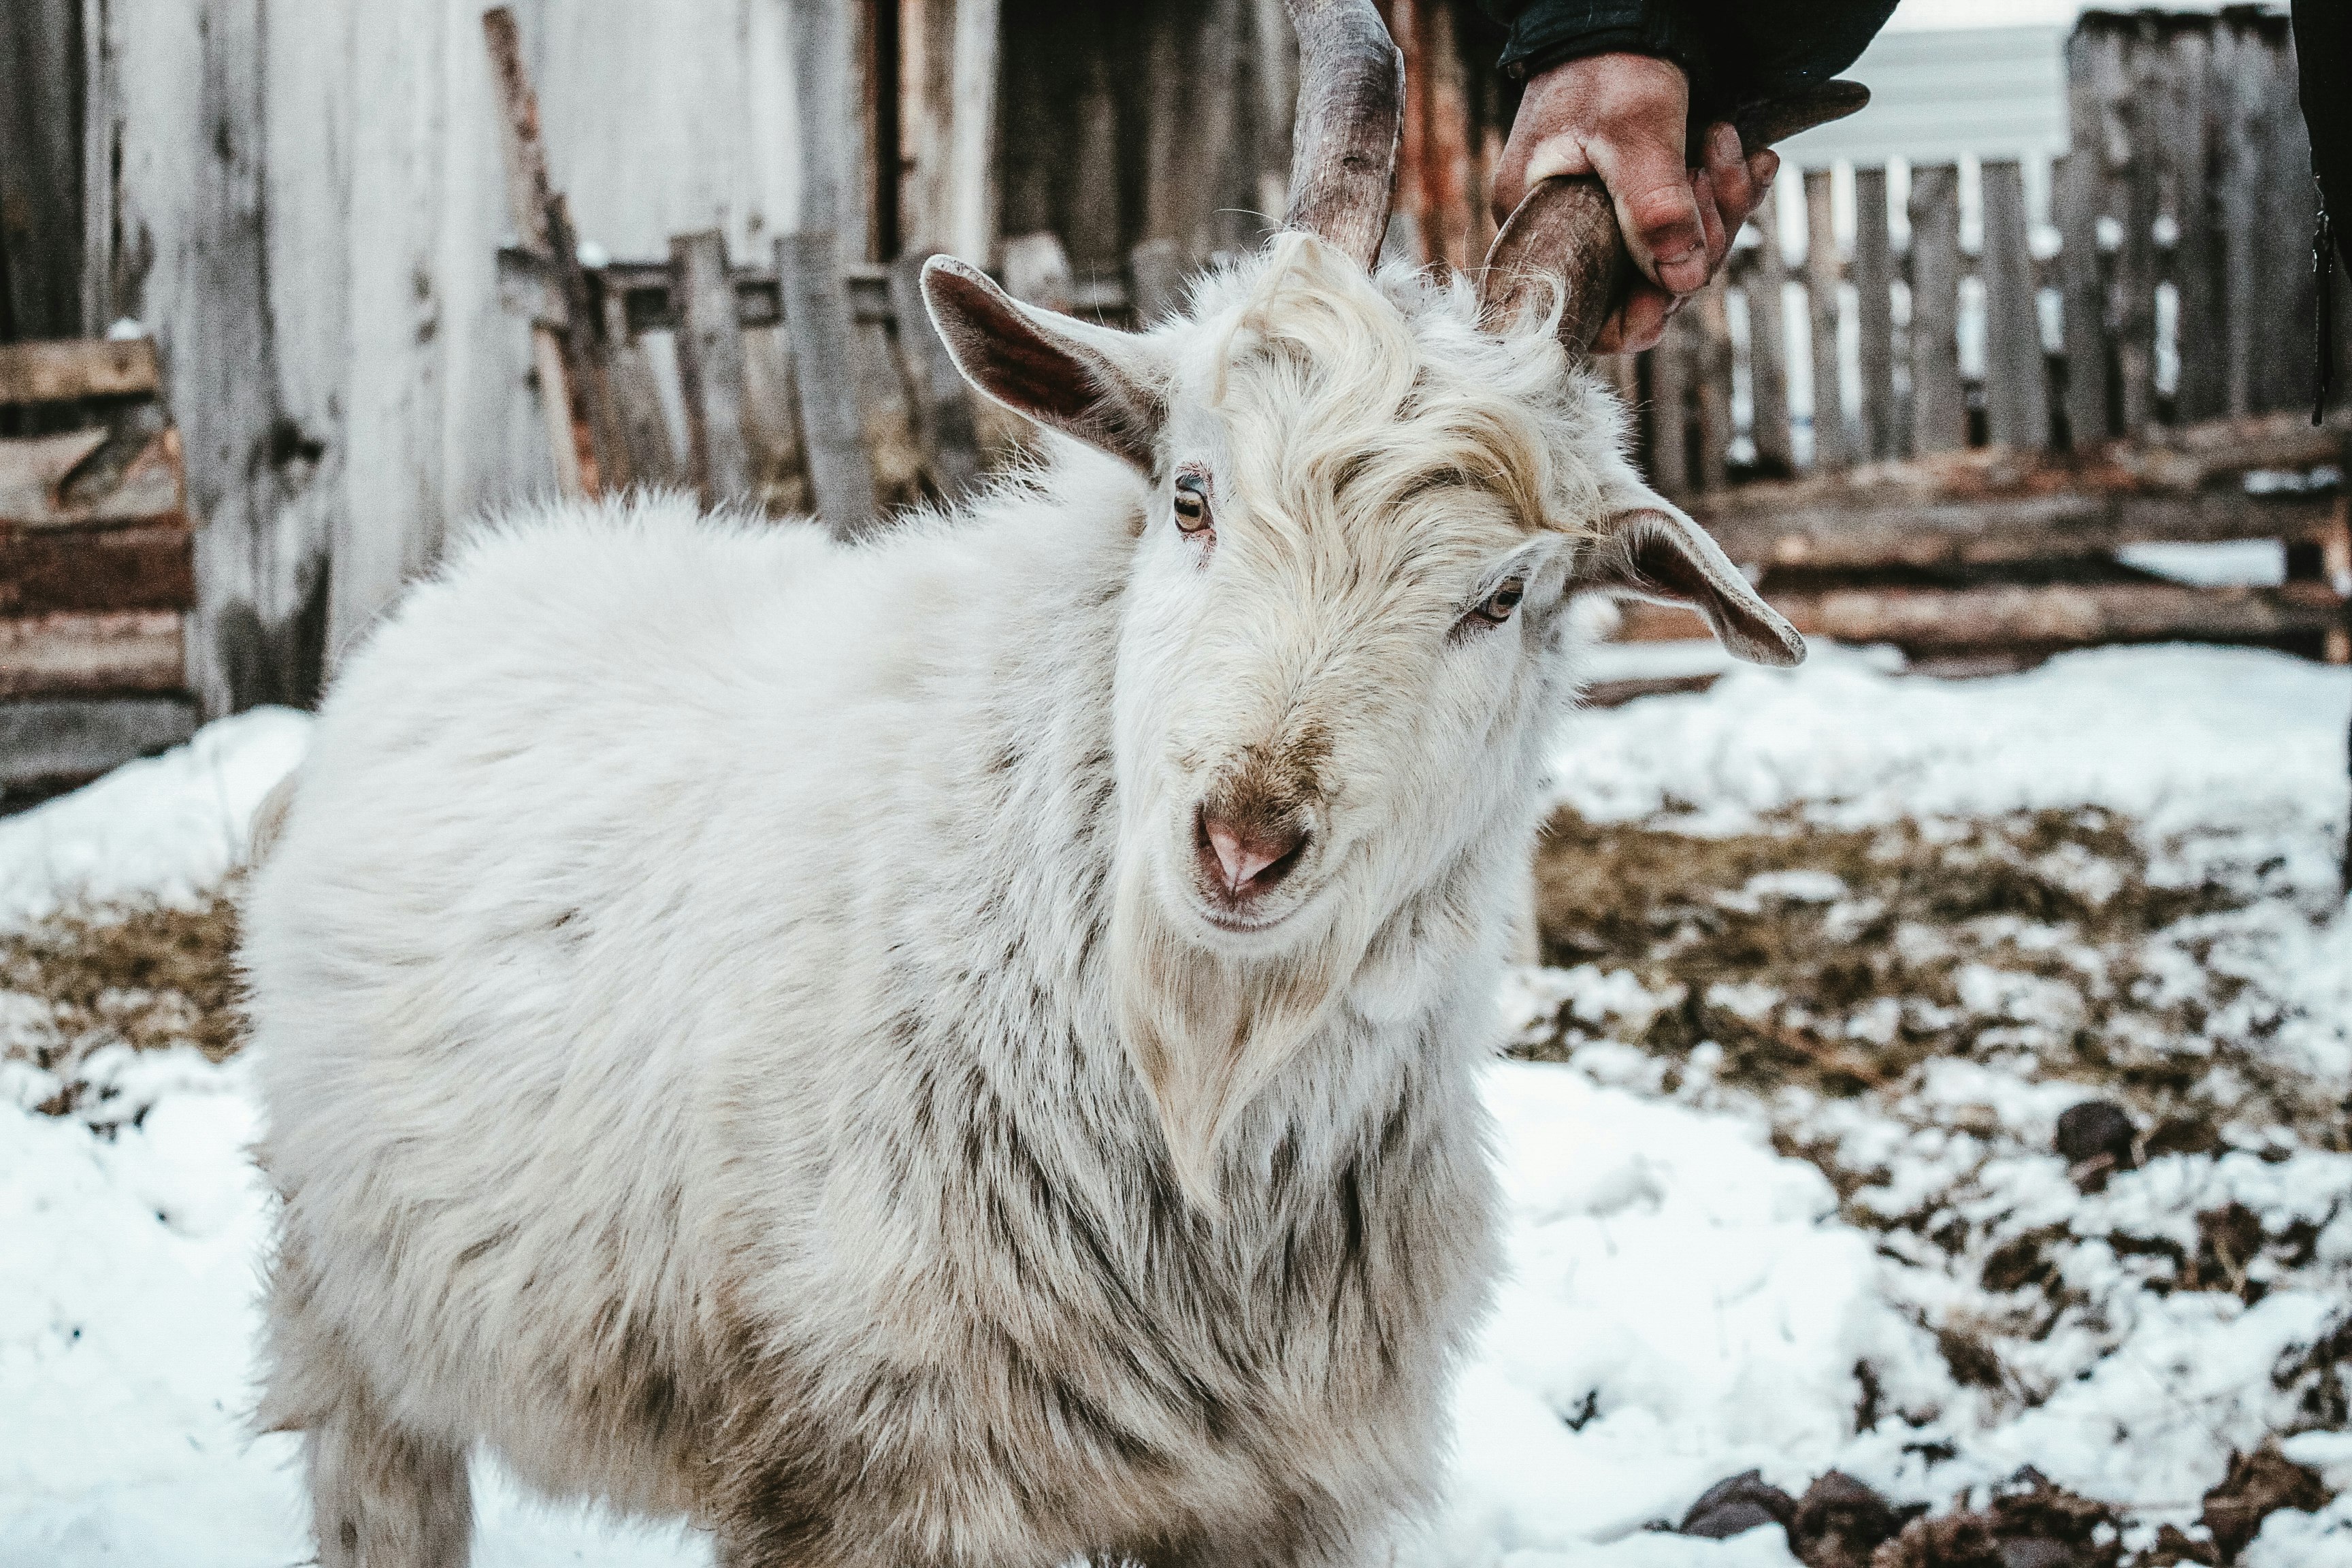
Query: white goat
[961, 1048]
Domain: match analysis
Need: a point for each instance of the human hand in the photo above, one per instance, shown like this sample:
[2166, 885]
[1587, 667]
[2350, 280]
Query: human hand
[1621, 117]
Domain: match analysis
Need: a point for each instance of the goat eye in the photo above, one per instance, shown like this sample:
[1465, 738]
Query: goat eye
[1497, 606]
[1192, 506]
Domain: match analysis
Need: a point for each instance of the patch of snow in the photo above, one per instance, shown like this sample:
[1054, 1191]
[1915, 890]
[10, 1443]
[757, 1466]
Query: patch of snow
[168, 827]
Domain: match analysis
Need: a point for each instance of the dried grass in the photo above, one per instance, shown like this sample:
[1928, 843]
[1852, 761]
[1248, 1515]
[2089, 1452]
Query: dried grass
[147, 976]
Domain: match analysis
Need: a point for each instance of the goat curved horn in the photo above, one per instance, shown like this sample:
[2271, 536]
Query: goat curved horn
[1564, 231]
[1344, 139]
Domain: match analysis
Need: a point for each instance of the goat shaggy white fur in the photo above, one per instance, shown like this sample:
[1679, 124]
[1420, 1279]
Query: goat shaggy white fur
[742, 1027]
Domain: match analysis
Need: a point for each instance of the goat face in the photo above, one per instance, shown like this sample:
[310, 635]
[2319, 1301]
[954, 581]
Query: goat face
[1340, 639]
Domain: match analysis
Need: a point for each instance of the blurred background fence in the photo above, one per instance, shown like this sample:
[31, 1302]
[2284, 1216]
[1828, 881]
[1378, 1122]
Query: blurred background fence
[2015, 362]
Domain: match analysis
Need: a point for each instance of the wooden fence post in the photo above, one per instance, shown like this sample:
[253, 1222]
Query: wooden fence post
[816, 316]
[1767, 343]
[1822, 274]
[1875, 313]
[709, 366]
[569, 443]
[1938, 405]
[2017, 402]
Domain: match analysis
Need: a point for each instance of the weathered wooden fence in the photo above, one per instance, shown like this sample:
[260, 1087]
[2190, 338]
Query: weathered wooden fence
[2169, 287]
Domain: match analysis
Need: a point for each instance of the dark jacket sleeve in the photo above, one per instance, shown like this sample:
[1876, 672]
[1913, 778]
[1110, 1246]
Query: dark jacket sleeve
[1733, 51]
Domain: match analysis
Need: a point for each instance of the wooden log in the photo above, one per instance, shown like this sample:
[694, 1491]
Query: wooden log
[145, 566]
[710, 367]
[1768, 344]
[2016, 401]
[2083, 292]
[1823, 273]
[61, 371]
[2041, 615]
[1874, 276]
[50, 742]
[1939, 414]
[571, 437]
[88, 653]
[2202, 391]
[43, 481]
[942, 401]
[832, 426]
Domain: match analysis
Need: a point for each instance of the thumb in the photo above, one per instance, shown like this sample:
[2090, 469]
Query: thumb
[1656, 207]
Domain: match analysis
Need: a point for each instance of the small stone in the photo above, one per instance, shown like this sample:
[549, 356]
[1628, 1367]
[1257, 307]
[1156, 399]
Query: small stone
[2096, 1137]
[1840, 1522]
[1732, 1506]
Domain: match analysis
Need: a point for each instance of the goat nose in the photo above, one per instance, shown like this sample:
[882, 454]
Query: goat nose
[1251, 857]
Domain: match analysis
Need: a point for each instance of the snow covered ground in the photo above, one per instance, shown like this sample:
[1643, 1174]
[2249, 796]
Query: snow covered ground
[1688, 1297]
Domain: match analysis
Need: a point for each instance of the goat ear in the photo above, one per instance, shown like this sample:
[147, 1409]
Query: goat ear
[1106, 388]
[1649, 549]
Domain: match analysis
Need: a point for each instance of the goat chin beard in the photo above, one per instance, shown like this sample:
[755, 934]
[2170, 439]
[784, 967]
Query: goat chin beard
[1206, 1030]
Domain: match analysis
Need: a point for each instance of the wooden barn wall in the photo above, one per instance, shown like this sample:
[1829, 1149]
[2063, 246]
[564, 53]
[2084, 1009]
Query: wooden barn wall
[303, 200]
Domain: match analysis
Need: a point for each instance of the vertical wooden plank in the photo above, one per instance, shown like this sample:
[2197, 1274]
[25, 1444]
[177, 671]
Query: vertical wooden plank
[529, 194]
[1823, 271]
[2079, 185]
[41, 169]
[816, 317]
[949, 126]
[2289, 212]
[182, 112]
[2196, 257]
[1445, 147]
[636, 398]
[2131, 86]
[942, 401]
[1768, 342]
[2017, 402]
[1671, 391]
[1938, 405]
[1714, 377]
[1874, 278]
[1187, 136]
[1095, 229]
[827, 92]
[2238, 107]
[710, 366]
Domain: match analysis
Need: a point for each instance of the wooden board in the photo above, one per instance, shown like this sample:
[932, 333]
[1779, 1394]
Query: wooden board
[2082, 290]
[710, 367]
[41, 167]
[1767, 343]
[145, 566]
[1823, 270]
[1999, 505]
[2052, 615]
[2017, 402]
[62, 371]
[1938, 405]
[87, 654]
[1874, 316]
[833, 425]
[49, 741]
[38, 488]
